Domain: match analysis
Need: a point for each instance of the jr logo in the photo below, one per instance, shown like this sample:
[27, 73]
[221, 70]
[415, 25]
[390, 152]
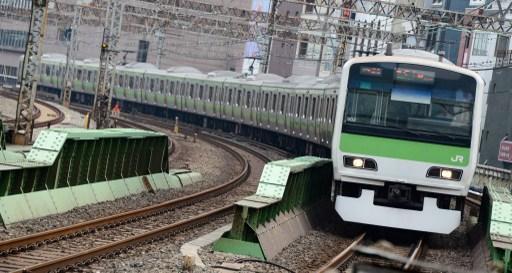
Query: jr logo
[458, 158]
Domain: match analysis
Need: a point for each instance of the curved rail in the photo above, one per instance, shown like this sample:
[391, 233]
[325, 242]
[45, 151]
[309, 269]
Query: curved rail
[343, 257]
[84, 256]
[59, 115]
[416, 252]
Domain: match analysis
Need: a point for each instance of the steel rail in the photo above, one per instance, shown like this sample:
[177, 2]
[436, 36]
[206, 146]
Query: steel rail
[417, 251]
[60, 116]
[89, 256]
[38, 239]
[342, 257]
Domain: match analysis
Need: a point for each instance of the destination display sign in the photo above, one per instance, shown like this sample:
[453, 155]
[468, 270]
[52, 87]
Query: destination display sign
[505, 152]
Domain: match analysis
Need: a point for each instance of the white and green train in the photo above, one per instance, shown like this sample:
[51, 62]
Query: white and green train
[404, 138]
[300, 107]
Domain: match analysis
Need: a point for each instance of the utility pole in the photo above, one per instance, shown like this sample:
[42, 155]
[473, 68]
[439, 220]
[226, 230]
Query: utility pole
[30, 72]
[160, 47]
[271, 29]
[108, 55]
[322, 40]
[72, 49]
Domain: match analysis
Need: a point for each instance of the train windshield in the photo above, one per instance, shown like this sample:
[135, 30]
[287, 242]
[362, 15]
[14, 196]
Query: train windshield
[411, 102]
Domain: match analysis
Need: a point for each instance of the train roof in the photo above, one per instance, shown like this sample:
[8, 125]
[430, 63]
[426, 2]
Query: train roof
[231, 77]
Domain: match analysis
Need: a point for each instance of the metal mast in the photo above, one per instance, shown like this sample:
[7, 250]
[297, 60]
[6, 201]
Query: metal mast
[160, 46]
[30, 72]
[271, 29]
[108, 56]
[72, 49]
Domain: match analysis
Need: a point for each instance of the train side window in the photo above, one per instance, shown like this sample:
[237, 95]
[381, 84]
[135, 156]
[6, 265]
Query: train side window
[157, 86]
[299, 102]
[210, 93]
[306, 106]
[78, 74]
[167, 84]
[201, 91]
[162, 86]
[283, 103]
[151, 85]
[265, 104]
[136, 83]
[171, 88]
[89, 76]
[230, 94]
[274, 103]
[239, 97]
[248, 99]
[333, 109]
[182, 89]
[131, 82]
[313, 108]
[120, 81]
[191, 93]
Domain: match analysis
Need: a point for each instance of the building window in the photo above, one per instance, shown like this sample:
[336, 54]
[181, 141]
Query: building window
[480, 44]
[13, 38]
[309, 8]
[303, 49]
[501, 46]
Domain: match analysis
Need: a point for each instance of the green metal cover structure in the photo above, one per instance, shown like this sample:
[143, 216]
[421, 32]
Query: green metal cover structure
[67, 168]
[496, 214]
[286, 187]
[2, 135]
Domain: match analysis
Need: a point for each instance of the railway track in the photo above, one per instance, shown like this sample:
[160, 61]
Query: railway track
[86, 242]
[342, 259]
[57, 118]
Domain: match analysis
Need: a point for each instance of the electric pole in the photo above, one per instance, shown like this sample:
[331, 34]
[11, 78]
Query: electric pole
[72, 49]
[108, 56]
[30, 72]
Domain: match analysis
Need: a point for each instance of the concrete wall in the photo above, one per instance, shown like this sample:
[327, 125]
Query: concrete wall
[498, 119]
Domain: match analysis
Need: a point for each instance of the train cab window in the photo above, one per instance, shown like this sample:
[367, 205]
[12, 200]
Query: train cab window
[201, 91]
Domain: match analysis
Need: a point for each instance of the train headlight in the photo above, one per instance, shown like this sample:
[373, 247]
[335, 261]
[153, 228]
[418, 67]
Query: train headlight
[444, 173]
[360, 163]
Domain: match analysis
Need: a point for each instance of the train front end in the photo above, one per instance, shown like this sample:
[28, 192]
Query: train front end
[405, 142]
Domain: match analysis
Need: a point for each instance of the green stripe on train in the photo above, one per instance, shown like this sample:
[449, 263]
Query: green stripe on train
[404, 149]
